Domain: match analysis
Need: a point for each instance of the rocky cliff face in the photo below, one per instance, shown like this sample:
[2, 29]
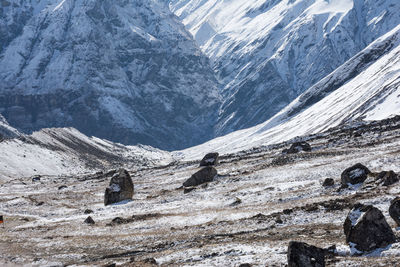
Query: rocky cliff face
[127, 71]
[266, 53]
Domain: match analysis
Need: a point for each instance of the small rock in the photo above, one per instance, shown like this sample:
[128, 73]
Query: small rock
[303, 255]
[205, 175]
[88, 211]
[237, 201]
[36, 179]
[89, 220]
[120, 188]
[331, 251]
[119, 220]
[110, 265]
[394, 210]
[354, 175]
[210, 159]
[388, 177]
[62, 187]
[328, 182]
[287, 211]
[39, 203]
[298, 147]
[150, 261]
[366, 229]
[188, 190]
[245, 265]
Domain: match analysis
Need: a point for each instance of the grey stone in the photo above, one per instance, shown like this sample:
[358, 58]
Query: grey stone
[205, 175]
[366, 229]
[121, 188]
[210, 159]
[388, 177]
[303, 255]
[394, 210]
[354, 175]
[298, 147]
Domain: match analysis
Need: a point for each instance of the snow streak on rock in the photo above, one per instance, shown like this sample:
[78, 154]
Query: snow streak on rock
[266, 53]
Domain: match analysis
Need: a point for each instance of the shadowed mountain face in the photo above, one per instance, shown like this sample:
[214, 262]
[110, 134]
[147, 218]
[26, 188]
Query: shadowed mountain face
[127, 71]
[266, 53]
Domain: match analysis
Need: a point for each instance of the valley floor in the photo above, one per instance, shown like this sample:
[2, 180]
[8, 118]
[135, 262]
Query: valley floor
[260, 201]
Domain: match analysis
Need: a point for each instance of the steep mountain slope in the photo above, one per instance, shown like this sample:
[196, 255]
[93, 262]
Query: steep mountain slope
[123, 70]
[266, 53]
[6, 131]
[367, 87]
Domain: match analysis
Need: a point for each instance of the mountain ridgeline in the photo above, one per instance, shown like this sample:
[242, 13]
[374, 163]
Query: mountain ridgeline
[127, 71]
[174, 74]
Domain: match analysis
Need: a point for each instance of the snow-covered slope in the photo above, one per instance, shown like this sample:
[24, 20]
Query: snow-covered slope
[266, 53]
[66, 151]
[6, 131]
[367, 87]
[123, 70]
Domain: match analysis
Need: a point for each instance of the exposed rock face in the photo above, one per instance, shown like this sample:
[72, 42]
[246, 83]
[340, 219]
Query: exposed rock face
[354, 175]
[303, 255]
[388, 177]
[210, 159]
[205, 175]
[298, 147]
[127, 72]
[278, 49]
[394, 210]
[121, 188]
[366, 229]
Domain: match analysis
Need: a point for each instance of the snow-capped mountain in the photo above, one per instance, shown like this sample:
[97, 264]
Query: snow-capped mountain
[127, 71]
[266, 53]
[365, 88]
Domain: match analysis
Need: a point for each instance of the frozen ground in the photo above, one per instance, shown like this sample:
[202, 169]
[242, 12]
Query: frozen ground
[236, 219]
[58, 151]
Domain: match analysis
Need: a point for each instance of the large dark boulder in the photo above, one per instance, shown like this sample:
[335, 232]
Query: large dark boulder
[354, 175]
[205, 175]
[394, 210]
[121, 188]
[210, 159]
[388, 178]
[298, 147]
[303, 255]
[366, 229]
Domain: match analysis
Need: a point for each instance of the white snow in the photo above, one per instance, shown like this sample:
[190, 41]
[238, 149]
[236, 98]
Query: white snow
[360, 98]
[56, 152]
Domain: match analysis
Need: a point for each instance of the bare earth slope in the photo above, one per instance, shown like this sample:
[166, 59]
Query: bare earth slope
[238, 218]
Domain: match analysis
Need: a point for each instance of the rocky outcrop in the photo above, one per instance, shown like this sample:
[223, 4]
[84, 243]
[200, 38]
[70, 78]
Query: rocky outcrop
[354, 175]
[210, 159]
[121, 188]
[303, 255]
[366, 229]
[205, 175]
[298, 147]
[394, 210]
